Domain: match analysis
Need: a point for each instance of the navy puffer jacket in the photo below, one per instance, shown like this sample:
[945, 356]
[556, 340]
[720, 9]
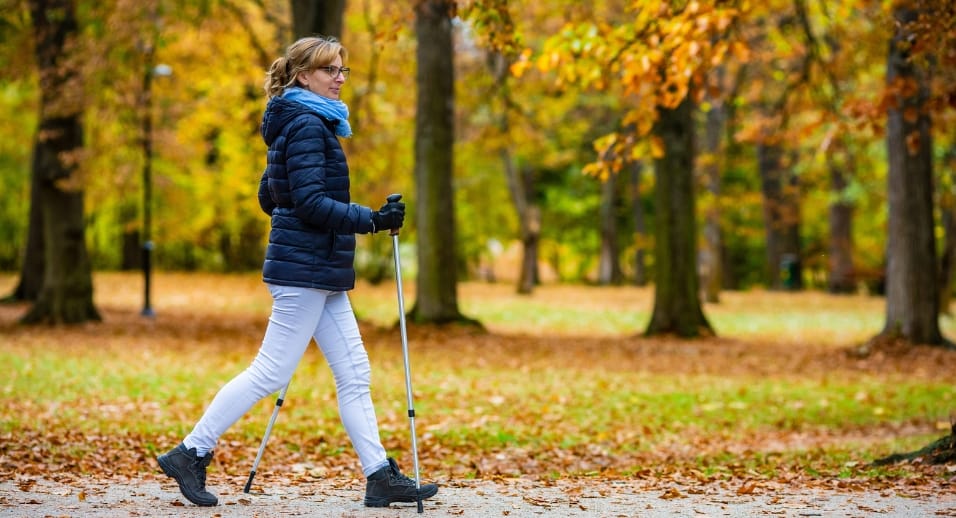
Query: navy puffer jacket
[305, 188]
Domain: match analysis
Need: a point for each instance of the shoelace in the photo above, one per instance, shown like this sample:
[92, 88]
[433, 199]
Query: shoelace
[398, 476]
[200, 470]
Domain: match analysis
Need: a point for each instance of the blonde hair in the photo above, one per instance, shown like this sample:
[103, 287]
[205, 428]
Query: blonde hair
[305, 55]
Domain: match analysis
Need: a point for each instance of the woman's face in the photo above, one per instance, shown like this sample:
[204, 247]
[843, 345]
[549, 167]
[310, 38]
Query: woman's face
[321, 81]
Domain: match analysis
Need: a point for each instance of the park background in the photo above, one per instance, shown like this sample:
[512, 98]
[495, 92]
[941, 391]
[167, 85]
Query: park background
[694, 241]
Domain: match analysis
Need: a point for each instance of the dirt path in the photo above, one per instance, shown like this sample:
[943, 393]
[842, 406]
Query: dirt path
[152, 496]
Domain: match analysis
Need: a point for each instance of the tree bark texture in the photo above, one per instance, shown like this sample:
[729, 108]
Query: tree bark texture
[947, 266]
[840, 278]
[912, 289]
[31, 271]
[609, 265]
[437, 290]
[317, 18]
[640, 228]
[677, 308]
[711, 255]
[521, 185]
[66, 295]
[781, 219]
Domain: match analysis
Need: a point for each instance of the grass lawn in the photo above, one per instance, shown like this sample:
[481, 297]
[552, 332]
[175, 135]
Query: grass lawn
[561, 385]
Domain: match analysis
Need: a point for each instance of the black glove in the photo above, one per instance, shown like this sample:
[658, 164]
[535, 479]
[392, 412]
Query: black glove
[390, 216]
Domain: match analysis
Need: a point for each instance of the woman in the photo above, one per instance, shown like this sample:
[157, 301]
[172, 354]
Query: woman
[308, 269]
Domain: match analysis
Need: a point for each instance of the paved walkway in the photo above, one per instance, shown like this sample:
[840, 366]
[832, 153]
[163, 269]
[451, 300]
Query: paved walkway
[511, 498]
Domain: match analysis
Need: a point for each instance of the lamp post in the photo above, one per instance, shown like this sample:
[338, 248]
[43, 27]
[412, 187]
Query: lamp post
[160, 70]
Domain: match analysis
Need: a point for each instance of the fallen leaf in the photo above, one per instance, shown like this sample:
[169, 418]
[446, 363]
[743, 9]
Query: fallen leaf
[672, 493]
[747, 489]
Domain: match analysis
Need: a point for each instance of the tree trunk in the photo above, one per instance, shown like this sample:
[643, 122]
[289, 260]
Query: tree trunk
[711, 254]
[609, 265]
[912, 289]
[530, 241]
[521, 185]
[437, 281]
[781, 219]
[947, 268]
[31, 271]
[947, 263]
[677, 308]
[640, 230]
[840, 267]
[66, 295]
[317, 18]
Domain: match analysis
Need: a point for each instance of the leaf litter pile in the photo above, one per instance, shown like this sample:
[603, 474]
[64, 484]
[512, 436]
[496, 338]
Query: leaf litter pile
[101, 400]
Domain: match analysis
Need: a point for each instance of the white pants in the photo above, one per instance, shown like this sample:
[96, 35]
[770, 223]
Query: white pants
[298, 315]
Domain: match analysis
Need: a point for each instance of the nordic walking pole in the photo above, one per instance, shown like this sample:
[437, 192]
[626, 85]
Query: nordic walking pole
[265, 438]
[408, 374]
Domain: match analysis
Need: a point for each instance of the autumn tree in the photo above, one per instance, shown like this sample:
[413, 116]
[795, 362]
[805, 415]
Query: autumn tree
[658, 59]
[777, 74]
[912, 300]
[66, 293]
[832, 60]
[677, 308]
[497, 31]
[437, 282]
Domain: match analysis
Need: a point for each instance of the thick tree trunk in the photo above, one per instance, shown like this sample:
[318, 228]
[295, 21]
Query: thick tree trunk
[317, 18]
[912, 287]
[781, 219]
[640, 229]
[31, 271]
[437, 281]
[66, 295]
[677, 308]
[609, 265]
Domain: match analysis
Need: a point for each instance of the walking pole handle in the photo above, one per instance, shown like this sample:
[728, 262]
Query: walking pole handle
[393, 198]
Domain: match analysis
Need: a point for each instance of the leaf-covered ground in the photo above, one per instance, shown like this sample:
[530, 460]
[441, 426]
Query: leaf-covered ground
[548, 403]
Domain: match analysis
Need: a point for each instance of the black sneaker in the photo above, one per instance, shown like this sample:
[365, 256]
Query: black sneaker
[189, 471]
[388, 485]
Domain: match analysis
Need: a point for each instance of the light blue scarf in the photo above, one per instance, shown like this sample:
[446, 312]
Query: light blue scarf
[329, 108]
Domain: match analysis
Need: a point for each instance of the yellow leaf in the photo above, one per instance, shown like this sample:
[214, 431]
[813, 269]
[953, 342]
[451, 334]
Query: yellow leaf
[518, 68]
[741, 51]
[657, 147]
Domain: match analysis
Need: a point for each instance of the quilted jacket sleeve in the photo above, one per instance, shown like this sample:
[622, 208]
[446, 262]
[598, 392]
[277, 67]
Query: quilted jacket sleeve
[265, 197]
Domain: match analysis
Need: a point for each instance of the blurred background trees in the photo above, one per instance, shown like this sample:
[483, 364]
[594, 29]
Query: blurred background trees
[556, 162]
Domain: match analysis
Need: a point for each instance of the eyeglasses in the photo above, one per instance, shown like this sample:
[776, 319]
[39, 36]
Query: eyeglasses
[335, 71]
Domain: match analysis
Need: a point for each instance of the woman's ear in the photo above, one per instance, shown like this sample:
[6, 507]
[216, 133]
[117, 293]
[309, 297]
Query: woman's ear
[300, 82]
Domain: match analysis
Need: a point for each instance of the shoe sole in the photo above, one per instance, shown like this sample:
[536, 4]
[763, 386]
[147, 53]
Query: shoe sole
[173, 474]
[385, 500]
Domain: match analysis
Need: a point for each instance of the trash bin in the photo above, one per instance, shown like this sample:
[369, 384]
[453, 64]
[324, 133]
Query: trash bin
[790, 272]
